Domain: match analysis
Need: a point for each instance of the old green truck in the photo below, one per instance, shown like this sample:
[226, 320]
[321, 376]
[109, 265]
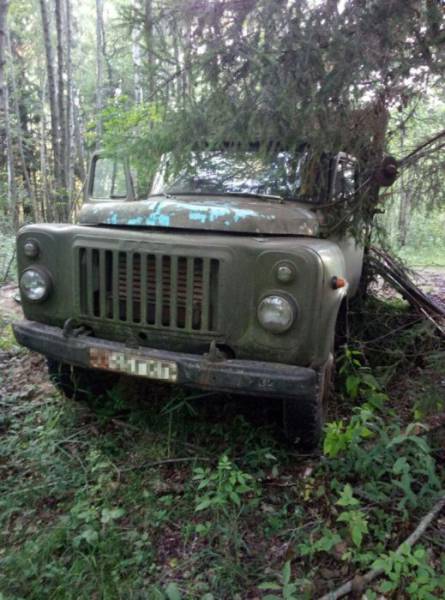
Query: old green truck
[222, 277]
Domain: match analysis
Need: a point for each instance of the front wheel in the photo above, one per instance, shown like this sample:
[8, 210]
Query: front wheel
[78, 383]
[303, 421]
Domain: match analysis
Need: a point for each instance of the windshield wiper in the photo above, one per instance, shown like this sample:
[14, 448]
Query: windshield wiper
[253, 195]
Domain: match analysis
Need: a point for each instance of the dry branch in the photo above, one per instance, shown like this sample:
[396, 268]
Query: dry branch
[360, 583]
[394, 274]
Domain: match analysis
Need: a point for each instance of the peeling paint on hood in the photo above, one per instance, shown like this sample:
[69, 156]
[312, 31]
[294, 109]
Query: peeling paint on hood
[213, 213]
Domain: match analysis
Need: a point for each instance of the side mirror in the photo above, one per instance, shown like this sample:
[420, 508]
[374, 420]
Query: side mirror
[108, 179]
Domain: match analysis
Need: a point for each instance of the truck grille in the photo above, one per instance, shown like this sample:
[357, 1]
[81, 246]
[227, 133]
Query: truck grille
[164, 291]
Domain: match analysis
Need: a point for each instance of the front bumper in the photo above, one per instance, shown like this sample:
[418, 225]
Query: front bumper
[236, 376]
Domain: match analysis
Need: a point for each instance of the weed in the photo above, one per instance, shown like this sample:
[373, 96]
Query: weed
[90, 507]
[221, 490]
[354, 517]
[288, 589]
[409, 569]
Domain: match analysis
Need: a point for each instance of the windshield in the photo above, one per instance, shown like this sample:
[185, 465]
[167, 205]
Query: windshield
[226, 172]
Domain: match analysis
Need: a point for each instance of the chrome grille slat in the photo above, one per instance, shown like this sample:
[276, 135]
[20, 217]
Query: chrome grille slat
[149, 289]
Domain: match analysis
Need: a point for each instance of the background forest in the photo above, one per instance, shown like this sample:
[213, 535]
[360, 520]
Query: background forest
[144, 76]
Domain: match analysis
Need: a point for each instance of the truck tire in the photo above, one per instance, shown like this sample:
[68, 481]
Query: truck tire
[77, 383]
[303, 421]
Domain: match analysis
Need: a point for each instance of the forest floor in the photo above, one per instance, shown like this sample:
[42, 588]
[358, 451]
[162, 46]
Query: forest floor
[160, 494]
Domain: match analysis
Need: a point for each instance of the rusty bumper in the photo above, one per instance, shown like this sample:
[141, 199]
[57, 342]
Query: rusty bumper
[236, 376]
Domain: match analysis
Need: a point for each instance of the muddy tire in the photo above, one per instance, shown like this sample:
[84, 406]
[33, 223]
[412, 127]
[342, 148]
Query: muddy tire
[303, 421]
[78, 383]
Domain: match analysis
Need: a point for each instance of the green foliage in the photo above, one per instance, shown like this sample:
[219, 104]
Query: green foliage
[87, 505]
[359, 384]
[222, 489]
[408, 568]
[395, 467]
[359, 381]
[7, 254]
[324, 543]
[354, 518]
[340, 436]
[288, 588]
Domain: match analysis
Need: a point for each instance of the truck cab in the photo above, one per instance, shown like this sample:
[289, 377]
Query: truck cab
[223, 277]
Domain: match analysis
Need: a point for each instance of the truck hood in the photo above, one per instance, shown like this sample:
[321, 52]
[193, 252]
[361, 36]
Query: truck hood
[213, 213]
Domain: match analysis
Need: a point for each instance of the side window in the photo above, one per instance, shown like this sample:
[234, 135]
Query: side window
[109, 179]
[345, 182]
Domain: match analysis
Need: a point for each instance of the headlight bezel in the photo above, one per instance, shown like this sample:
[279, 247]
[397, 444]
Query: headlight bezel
[277, 328]
[45, 276]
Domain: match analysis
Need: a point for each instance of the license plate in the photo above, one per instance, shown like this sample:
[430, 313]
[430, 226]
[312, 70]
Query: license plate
[134, 364]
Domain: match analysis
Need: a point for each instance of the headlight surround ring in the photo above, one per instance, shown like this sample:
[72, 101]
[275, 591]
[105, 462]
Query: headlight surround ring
[276, 313]
[35, 284]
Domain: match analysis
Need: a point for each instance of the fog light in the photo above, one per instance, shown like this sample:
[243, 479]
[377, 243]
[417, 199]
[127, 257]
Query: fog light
[31, 249]
[276, 314]
[35, 285]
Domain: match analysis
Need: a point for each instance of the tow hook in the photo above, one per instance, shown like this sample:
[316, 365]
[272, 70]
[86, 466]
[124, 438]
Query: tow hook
[70, 329]
[214, 355]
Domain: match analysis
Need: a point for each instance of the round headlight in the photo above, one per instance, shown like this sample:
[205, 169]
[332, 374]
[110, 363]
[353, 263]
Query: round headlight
[35, 285]
[31, 249]
[276, 314]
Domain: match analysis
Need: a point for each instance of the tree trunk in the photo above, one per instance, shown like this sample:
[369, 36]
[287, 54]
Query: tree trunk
[19, 133]
[137, 60]
[52, 94]
[47, 208]
[148, 32]
[61, 134]
[12, 189]
[78, 136]
[69, 103]
[99, 67]
[4, 5]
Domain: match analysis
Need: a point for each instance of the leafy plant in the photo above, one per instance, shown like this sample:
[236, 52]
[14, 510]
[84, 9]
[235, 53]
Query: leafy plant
[408, 568]
[354, 517]
[359, 381]
[222, 489]
[288, 589]
[340, 436]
